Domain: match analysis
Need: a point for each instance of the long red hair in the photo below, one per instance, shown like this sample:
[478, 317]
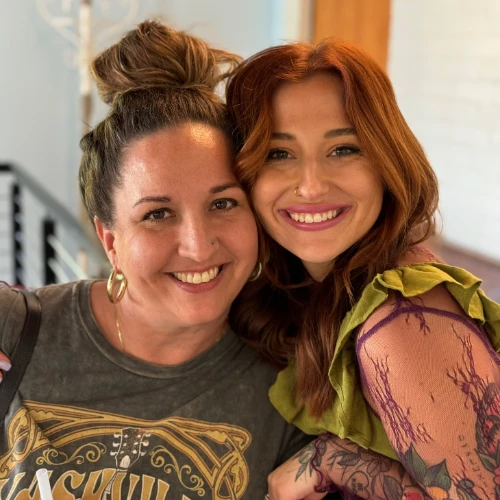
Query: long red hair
[295, 317]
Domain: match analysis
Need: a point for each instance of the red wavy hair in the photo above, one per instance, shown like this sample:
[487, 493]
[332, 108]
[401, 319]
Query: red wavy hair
[296, 318]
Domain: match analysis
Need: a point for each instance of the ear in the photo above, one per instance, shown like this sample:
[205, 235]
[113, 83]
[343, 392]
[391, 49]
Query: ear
[107, 238]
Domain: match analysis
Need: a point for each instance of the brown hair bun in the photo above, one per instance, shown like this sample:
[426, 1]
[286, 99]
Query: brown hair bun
[154, 55]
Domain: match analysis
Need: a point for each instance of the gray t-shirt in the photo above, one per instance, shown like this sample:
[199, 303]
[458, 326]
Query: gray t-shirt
[107, 426]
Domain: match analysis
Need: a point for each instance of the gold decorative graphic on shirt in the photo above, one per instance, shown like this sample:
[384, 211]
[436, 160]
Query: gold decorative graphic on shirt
[170, 464]
[89, 452]
[131, 446]
[204, 456]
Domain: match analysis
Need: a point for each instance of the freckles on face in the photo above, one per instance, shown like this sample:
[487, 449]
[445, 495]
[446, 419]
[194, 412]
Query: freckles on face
[318, 193]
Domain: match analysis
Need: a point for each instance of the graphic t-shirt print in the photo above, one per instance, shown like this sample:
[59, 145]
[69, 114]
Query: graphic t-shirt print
[103, 456]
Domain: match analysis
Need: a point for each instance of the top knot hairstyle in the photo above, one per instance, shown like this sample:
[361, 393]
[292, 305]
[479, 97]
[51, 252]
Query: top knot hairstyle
[153, 78]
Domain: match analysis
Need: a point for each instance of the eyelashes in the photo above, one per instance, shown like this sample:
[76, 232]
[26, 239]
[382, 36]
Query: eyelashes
[162, 214]
[152, 216]
[342, 151]
[277, 155]
[222, 204]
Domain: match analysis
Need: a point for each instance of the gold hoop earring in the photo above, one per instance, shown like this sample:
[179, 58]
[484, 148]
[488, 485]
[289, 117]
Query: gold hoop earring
[295, 192]
[115, 277]
[256, 272]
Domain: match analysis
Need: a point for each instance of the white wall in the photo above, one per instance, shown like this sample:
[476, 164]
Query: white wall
[444, 61]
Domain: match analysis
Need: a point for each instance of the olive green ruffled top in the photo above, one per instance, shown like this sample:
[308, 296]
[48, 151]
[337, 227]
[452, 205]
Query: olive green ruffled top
[350, 416]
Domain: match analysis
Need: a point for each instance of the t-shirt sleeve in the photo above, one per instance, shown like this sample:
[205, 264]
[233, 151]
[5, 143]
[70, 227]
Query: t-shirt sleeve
[12, 314]
[294, 440]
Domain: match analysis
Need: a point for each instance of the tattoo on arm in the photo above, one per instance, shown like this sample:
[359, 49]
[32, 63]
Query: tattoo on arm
[364, 473]
[466, 464]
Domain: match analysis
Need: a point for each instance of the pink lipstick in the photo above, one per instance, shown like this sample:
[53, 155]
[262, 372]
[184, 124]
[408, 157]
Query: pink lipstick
[332, 215]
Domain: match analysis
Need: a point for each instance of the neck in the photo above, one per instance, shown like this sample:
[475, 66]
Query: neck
[166, 346]
[317, 271]
[148, 341]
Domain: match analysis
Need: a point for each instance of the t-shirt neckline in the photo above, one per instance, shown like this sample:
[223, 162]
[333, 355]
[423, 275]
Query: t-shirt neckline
[227, 344]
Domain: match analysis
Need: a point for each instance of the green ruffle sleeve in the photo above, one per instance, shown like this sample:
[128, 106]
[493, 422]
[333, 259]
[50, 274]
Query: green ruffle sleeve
[350, 415]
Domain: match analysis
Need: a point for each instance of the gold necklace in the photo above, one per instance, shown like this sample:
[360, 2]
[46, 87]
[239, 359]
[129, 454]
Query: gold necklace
[120, 338]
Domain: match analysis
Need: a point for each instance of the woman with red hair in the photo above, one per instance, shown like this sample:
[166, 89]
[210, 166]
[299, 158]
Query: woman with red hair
[383, 343]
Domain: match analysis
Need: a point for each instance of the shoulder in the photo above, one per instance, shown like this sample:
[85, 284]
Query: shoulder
[57, 302]
[11, 304]
[419, 254]
[418, 339]
[12, 312]
[56, 293]
[261, 370]
[399, 319]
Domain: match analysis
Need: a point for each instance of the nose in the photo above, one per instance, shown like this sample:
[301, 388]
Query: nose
[197, 239]
[313, 182]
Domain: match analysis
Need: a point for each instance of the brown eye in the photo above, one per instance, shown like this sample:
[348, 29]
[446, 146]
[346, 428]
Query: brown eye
[157, 215]
[278, 154]
[341, 151]
[224, 204]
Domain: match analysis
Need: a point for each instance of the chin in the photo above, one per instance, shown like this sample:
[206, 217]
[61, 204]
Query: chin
[200, 317]
[323, 259]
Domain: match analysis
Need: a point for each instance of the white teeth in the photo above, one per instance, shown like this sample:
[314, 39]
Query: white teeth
[310, 218]
[197, 278]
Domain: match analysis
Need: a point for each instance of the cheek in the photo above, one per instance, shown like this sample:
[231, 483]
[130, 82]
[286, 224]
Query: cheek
[245, 238]
[141, 251]
[367, 188]
[265, 193]
[238, 236]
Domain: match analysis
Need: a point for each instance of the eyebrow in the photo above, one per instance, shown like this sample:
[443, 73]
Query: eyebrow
[223, 187]
[156, 199]
[166, 199]
[334, 132]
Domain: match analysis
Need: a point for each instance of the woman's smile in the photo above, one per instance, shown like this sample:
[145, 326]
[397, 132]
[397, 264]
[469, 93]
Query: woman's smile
[318, 193]
[314, 217]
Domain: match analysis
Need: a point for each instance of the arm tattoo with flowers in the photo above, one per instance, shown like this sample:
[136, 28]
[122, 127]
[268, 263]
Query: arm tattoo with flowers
[431, 375]
[336, 463]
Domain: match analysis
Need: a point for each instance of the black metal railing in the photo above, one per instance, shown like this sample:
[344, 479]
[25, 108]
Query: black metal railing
[58, 249]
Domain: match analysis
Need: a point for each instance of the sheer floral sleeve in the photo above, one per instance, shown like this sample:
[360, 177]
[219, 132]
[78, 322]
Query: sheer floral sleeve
[430, 374]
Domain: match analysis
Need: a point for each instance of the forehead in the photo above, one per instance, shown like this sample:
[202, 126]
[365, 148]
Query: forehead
[318, 96]
[191, 152]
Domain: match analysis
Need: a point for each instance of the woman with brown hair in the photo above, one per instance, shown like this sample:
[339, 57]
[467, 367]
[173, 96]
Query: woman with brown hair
[137, 387]
[386, 345]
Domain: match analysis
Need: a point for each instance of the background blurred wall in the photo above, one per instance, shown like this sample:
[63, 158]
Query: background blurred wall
[40, 122]
[444, 61]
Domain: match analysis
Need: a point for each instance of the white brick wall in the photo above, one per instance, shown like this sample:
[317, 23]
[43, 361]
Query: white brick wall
[444, 61]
